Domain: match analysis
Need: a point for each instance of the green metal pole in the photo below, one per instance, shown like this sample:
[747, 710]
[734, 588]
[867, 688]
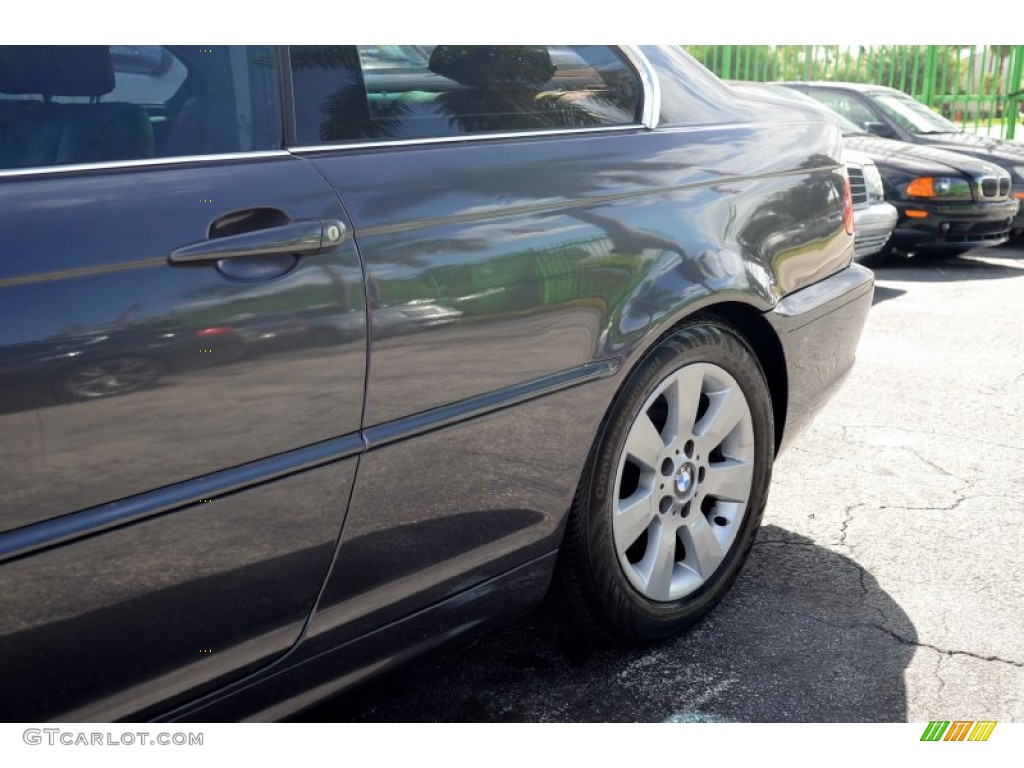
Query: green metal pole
[913, 78]
[956, 86]
[726, 62]
[982, 91]
[945, 58]
[928, 97]
[968, 87]
[1013, 86]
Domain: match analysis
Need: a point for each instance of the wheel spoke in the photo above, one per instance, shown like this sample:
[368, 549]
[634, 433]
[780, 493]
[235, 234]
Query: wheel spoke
[632, 518]
[683, 396]
[726, 409]
[728, 480]
[644, 443]
[659, 563]
[703, 552]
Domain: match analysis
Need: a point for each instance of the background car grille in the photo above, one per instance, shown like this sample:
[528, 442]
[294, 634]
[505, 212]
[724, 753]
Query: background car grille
[858, 190]
[992, 187]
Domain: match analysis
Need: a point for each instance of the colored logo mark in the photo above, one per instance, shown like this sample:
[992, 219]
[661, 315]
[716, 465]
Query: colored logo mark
[958, 730]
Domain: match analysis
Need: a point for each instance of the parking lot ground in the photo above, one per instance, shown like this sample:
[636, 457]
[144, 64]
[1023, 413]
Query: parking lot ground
[886, 584]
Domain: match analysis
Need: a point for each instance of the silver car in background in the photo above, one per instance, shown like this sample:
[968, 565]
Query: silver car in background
[873, 219]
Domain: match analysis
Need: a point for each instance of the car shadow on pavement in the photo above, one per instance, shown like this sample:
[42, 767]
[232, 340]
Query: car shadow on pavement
[979, 264]
[883, 292]
[805, 635]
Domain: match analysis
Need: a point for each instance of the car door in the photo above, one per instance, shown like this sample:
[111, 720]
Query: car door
[182, 366]
[490, 192]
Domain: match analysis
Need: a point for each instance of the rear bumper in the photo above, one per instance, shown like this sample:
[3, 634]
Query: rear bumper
[873, 226]
[819, 327]
[954, 225]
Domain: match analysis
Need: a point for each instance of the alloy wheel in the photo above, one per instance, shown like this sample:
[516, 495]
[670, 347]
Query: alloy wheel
[683, 482]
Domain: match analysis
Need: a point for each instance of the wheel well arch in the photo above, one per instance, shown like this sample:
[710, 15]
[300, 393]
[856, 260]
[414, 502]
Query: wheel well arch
[764, 341]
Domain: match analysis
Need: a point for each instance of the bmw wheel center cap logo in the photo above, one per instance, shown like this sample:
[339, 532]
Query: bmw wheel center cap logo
[684, 480]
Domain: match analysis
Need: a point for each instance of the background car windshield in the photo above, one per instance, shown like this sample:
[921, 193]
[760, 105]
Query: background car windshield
[846, 125]
[912, 115]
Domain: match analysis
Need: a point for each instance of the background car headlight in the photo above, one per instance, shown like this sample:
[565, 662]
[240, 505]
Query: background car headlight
[941, 187]
[873, 182]
[1018, 171]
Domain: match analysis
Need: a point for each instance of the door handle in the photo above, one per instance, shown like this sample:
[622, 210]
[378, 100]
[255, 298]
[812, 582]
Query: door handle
[297, 238]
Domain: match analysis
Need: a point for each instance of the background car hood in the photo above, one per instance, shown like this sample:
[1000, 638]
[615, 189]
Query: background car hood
[916, 158]
[1000, 151]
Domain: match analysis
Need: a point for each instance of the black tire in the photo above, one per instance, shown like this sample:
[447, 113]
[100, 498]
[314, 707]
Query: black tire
[591, 587]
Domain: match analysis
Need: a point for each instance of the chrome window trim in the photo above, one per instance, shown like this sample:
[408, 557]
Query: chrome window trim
[649, 80]
[148, 162]
[458, 138]
[651, 110]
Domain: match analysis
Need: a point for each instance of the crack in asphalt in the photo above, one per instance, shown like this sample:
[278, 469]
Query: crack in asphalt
[996, 390]
[961, 438]
[948, 508]
[905, 640]
[955, 504]
[938, 675]
[848, 518]
[932, 464]
[945, 651]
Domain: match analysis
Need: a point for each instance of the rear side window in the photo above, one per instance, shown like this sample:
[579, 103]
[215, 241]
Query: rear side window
[846, 104]
[382, 92]
[63, 105]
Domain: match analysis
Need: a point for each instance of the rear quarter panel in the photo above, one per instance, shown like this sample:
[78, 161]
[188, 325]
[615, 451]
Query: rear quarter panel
[494, 264]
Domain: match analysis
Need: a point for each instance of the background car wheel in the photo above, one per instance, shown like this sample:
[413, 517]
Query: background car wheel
[117, 376]
[674, 491]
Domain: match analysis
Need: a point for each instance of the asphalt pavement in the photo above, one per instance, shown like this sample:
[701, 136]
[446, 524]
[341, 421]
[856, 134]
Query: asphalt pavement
[886, 583]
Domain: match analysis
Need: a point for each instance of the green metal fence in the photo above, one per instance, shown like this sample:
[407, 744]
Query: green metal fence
[977, 86]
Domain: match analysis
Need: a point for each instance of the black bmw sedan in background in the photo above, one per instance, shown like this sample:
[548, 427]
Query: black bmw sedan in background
[892, 114]
[947, 202]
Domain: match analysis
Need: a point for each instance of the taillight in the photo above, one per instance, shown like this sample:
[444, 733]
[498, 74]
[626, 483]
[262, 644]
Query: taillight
[847, 206]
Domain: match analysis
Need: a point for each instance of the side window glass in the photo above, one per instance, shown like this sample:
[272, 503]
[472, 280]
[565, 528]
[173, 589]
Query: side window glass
[847, 105]
[64, 105]
[381, 92]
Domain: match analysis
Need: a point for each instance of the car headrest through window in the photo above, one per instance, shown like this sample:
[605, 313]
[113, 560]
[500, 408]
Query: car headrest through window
[72, 70]
[494, 66]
